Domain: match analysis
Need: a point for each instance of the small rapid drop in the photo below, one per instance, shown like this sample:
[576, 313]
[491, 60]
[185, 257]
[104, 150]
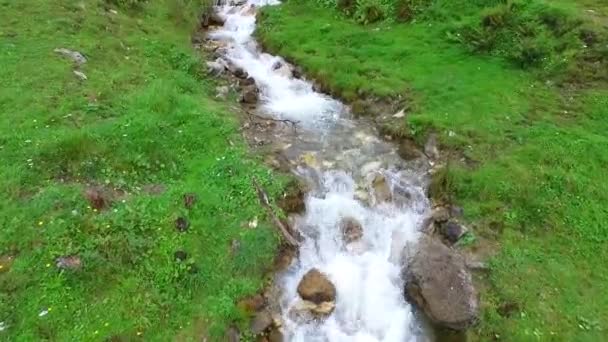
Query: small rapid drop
[343, 161]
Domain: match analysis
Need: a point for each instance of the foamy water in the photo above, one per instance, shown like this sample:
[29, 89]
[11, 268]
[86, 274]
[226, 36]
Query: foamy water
[369, 305]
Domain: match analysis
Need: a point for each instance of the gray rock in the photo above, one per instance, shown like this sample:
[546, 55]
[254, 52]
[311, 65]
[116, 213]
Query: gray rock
[440, 214]
[261, 321]
[430, 148]
[438, 281]
[250, 94]
[216, 67]
[80, 75]
[453, 231]
[222, 92]
[316, 288]
[75, 56]
[71, 262]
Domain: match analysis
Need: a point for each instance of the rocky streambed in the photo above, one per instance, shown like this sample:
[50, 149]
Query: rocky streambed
[371, 250]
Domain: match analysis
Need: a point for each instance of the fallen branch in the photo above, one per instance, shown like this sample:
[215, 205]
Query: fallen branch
[266, 204]
[285, 121]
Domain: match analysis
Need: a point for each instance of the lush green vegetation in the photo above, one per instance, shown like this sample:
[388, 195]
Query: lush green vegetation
[529, 144]
[144, 129]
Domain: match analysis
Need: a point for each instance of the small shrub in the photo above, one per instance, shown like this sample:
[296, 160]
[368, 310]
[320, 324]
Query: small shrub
[127, 3]
[531, 52]
[406, 10]
[497, 16]
[371, 11]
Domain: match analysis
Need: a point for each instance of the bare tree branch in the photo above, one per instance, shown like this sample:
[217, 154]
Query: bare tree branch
[265, 202]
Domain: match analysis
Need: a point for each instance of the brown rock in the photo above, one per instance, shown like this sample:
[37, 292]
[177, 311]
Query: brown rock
[408, 150]
[438, 281]
[351, 230]
[315, 287]
[293, 199]
[275, 336]
[382, 190]
[252, 304]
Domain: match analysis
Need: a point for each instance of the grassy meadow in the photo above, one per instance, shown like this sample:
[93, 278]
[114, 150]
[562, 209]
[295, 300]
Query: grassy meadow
[95, 171]
[519, 98]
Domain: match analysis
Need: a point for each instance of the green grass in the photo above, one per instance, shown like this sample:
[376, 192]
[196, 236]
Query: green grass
[534, 177]
[145, 117]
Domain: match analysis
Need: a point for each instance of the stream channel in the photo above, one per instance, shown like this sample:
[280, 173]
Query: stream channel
[352, 173]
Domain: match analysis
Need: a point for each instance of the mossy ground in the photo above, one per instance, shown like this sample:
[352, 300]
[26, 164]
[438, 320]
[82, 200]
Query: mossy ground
[145, 127]
[533, 140]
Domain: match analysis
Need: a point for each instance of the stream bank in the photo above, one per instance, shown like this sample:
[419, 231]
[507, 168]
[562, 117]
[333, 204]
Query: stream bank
[366, 208]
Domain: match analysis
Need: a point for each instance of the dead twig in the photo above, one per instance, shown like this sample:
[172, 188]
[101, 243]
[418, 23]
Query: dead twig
[264, 201]
[284, 121]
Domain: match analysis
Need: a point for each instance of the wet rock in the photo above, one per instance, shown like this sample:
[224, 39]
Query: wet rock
[430, 148]
[370, 167]
[71, 262]
[351, 230]
[452, 231]
[98, 199]
[250, 94]
[261, 322]
[306, 311]
[408, 150]
[216, 19]
[293, 199]
[182, 224]
[190, 200]
[440, 214]
[282, 69]
[438, 281]
[180, 255]
[216, 67]
[75, 56]
[381, 188]
[275, 335]
[284, 258]
[244, 82]
[316, 287]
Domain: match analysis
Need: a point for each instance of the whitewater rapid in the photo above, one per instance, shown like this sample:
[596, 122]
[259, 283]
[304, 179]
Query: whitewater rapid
[342, 159]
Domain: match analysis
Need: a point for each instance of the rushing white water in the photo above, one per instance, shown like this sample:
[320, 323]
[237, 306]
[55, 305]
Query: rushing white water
[370, 304]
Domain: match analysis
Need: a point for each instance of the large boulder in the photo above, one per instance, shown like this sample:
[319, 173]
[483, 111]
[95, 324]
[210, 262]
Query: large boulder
[316, 288]
[438, 281]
